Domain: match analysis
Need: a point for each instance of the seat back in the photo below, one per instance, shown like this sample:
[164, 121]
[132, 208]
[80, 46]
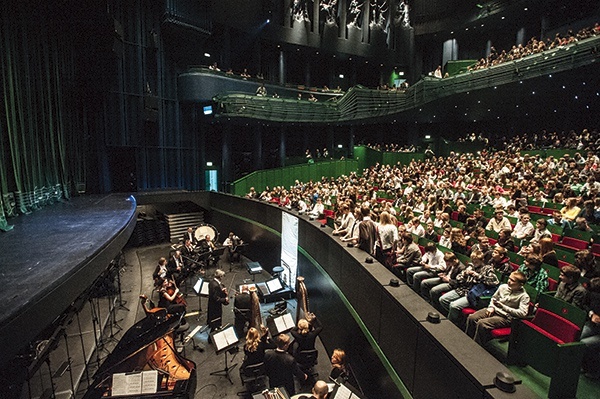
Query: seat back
[557, 326]
[253, 372]
[565, 309]
[307, 358]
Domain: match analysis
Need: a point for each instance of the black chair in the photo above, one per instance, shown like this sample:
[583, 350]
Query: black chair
[307, 359]
[254, 378]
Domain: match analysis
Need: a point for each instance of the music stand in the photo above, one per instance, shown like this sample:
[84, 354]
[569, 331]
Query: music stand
[201, 289]
[345, 391]
[274, 285]
[254, 268]
[280, 324]
[224, 340]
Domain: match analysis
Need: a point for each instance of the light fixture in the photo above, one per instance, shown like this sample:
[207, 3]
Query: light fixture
[209, 163]
[340, 146]
[341, 76]
[427, 137]
[207, 55]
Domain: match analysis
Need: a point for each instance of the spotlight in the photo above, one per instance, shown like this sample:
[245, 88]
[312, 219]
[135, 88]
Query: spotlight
[207, 55]
[268, 20]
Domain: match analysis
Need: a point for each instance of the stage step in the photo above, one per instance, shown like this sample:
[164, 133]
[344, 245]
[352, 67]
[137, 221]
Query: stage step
[179, 222]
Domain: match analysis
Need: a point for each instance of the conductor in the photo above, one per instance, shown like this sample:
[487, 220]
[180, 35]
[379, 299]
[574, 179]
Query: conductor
[217, 297]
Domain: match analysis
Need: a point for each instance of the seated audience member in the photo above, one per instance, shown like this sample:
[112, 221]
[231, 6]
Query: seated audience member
[430, 232]
[458, 241]
[547, 252]
[433, 288]
[586, 262]
[306, 332]
[281, 367]
[569, 289]
[523, 228]
[582, 225]
[570, 210]
[317, 209]
[352, 233]
[346, 221]
[319, 391]
[499, 222]
[541, 231]
[477, 272]
[500, 261]
[338, 364]
[410, 256]
[481, 220]
[590, 335]
[505, 240]
[257, 342]
[558, 220]
[508, 302]
[536, 275]
[445, 238]
[415, 227]
[432, 263]
[483, 245]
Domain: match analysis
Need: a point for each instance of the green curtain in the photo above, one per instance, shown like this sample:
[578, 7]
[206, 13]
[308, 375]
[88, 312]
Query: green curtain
[39, 123]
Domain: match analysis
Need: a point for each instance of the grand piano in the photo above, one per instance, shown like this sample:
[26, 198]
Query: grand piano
[146, 358]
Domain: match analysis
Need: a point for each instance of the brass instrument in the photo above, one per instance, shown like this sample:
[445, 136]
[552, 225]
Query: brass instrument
[255, 318]
[301, 298]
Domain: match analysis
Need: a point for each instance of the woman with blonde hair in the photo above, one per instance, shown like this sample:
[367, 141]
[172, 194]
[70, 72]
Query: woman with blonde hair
[338, 364]
[306, 332]
[387, 235]
[570, 211]
[257, 342]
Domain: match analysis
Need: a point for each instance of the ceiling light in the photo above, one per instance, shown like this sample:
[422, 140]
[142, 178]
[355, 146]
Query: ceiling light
[207, 55]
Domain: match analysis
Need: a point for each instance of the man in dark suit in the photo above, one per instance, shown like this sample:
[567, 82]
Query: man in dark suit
[281, 366]
[217, 297]
[189, 235]
[242, 310]
[367, 232]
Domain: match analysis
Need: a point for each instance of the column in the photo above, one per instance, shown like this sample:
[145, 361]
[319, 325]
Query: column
[282, 146]
[258, 148]
[282, 67]
[226, 164]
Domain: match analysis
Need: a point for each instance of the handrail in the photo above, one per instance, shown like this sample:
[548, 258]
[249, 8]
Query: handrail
[361, 103]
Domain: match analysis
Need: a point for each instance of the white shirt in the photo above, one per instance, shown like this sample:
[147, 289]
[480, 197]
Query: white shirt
[435, 260]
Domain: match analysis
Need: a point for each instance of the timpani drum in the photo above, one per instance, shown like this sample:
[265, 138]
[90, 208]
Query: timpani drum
[204, 230]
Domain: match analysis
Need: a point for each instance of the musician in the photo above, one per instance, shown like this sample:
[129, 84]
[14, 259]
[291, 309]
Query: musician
[176, 267]
[281, 367]
[161, 272]
[217, 297]
[338, 364]
[189, 235]
[306, 332]
[242, 310]
[319, 391]
[257, 342]
[171, 299]
[208, 246]
[188, 249]
[232, 242]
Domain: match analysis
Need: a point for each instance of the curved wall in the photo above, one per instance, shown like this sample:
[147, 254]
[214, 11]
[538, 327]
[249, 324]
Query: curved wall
[394, 351]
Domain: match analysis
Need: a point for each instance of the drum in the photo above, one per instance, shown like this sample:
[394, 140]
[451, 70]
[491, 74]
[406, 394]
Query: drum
[204, 230]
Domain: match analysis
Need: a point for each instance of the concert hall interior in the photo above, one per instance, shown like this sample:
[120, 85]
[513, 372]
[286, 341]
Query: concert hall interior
[259, 131]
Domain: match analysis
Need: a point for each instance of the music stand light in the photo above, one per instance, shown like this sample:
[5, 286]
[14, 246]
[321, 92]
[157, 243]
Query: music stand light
[225, 339]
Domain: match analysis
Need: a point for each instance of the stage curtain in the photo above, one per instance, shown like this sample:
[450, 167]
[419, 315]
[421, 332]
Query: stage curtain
[38, 128]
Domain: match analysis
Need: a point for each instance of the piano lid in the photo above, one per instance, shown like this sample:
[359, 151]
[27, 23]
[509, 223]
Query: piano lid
[137, 338]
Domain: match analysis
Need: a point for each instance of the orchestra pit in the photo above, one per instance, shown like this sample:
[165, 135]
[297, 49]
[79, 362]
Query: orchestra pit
[300, 199]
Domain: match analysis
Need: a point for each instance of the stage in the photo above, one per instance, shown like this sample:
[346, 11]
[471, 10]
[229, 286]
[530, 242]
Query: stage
[53, 255]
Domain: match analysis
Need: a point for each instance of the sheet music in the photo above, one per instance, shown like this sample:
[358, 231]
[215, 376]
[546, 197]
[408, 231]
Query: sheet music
[225, 338]
[284, 322]
[130, 383]
[274, 285]
[344, 393]
[149, 381]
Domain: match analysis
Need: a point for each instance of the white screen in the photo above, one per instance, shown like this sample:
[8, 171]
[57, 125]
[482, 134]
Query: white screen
[289, 248]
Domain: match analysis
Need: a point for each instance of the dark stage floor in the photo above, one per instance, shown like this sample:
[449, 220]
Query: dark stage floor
[46, 259]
